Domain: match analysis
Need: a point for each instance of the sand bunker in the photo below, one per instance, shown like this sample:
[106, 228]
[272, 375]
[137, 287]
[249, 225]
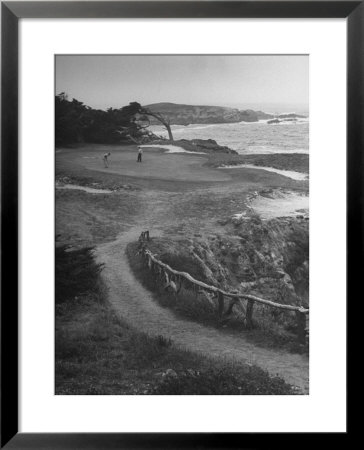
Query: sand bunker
[280, 204]
[289, 204]
[286, 173]
[172, 149]
[83, 188]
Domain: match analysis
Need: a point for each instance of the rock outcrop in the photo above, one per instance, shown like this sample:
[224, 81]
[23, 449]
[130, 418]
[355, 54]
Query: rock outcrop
[197, 145]
[291, 116]
[268, 259]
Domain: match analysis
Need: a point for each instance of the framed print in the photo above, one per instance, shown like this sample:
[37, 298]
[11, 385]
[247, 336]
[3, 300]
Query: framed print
[181, 221]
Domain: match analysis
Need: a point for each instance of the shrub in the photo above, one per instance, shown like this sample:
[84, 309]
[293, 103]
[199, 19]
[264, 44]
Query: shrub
[224, 381]
[76, 273]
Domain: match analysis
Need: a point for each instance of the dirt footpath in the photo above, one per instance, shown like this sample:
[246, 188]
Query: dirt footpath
[137, 306]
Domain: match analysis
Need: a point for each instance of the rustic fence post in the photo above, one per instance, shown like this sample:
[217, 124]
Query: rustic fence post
[229, 309]
[249, 314]
[301, 327]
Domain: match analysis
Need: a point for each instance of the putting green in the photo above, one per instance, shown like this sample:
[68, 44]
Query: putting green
[156, 164]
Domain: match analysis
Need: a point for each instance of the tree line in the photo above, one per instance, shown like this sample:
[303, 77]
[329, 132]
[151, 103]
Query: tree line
[76, 123]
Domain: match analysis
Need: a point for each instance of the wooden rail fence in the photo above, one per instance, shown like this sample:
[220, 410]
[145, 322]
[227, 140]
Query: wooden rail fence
[174, 280]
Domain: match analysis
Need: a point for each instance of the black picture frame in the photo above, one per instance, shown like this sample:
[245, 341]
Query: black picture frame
[11, 12]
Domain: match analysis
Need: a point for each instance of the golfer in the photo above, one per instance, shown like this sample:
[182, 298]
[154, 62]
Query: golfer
[106, 162]
[140, 153]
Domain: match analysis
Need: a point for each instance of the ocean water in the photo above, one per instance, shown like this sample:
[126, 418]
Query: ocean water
[248, 137]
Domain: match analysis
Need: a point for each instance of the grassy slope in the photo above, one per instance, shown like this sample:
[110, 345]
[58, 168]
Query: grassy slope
[86, 219]
[97, 353]
[270, 332]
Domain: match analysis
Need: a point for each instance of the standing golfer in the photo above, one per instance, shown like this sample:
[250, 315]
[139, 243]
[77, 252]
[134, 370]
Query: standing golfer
[140, 153]
[106, 162]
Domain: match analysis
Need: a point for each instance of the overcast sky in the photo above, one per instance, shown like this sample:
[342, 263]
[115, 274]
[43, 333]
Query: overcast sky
[104, 81]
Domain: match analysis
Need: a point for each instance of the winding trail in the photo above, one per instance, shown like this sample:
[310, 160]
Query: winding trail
[137, 306]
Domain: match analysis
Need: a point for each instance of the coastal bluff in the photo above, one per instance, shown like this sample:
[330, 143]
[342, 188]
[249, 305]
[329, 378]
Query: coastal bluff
[179, 114]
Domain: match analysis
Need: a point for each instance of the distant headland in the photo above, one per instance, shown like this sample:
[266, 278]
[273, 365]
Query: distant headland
[180, 114]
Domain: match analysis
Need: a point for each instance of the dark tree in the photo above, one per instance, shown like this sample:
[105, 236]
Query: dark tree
[76, 122]
[72, 117]
[162, 119]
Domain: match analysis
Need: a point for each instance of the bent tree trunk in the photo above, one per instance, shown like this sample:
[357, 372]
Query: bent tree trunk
[170, 135]
[163, 120]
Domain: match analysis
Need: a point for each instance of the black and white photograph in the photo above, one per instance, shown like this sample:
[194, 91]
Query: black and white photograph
[182, 224]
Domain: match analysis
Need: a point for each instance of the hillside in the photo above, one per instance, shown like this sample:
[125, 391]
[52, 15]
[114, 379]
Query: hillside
[187, 114]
